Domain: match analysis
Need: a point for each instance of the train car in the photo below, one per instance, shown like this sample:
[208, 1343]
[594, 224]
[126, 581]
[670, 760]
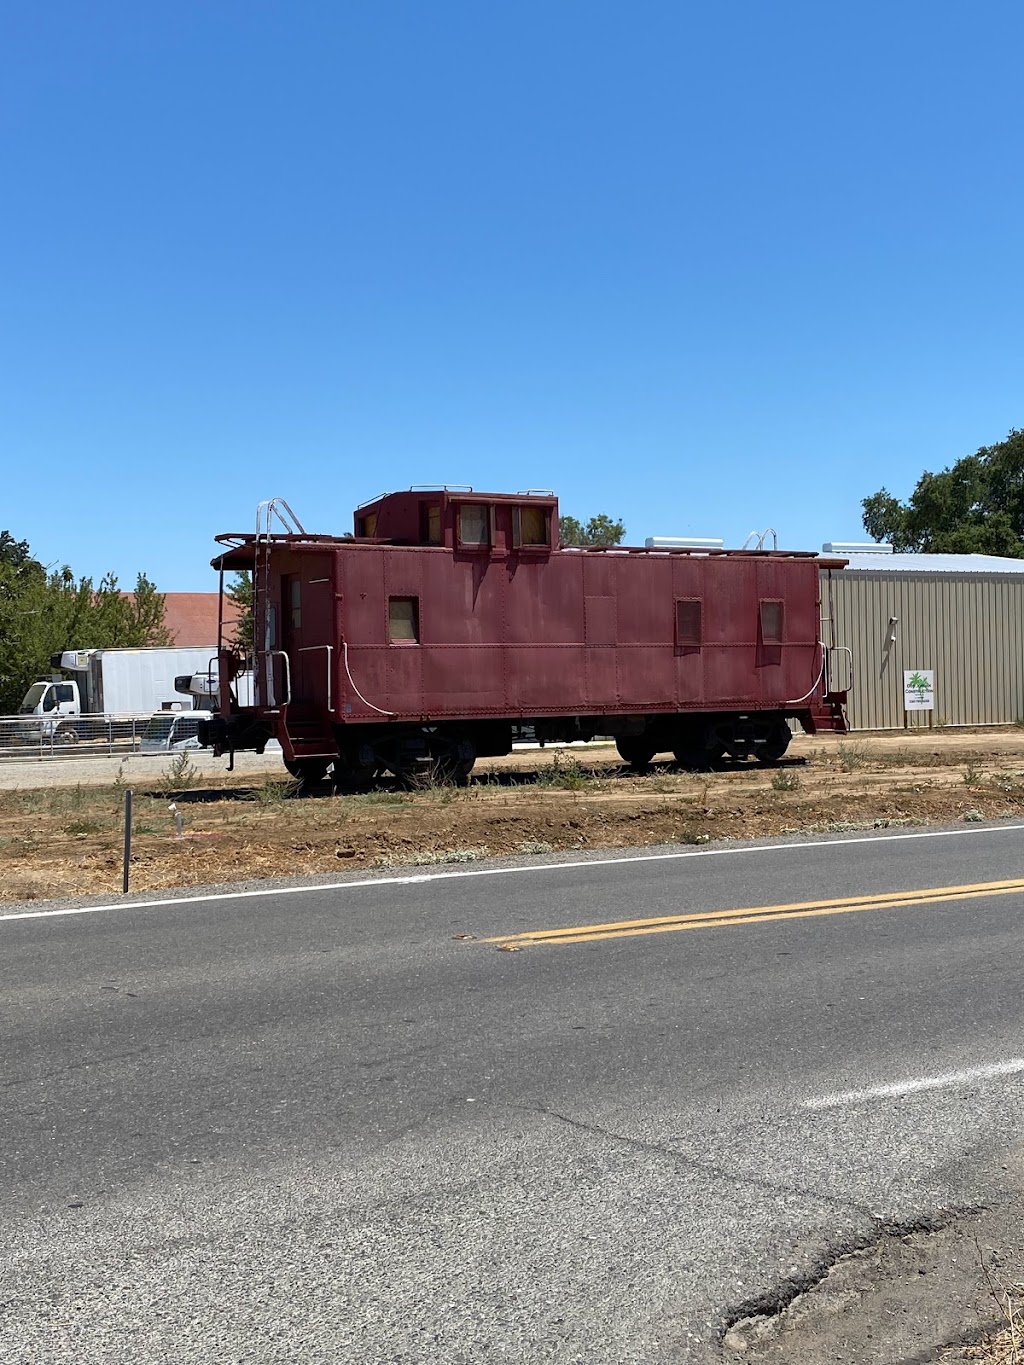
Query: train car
[448, 620]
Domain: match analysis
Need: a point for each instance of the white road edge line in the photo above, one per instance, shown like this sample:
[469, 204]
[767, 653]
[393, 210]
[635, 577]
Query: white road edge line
[948, 1079]
[583, 863]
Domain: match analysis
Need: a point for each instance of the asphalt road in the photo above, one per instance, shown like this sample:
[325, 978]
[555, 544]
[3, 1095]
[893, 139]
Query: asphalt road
[318, 1127]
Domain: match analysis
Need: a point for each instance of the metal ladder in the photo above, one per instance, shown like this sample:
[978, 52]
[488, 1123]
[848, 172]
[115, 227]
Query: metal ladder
[264, 644]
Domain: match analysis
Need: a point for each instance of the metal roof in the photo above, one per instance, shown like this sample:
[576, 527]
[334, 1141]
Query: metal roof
[923, 563]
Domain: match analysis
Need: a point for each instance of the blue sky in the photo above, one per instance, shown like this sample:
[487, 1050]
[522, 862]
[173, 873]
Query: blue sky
[708, 268]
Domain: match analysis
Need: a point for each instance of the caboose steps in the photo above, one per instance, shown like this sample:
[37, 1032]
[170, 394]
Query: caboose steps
[307, 739]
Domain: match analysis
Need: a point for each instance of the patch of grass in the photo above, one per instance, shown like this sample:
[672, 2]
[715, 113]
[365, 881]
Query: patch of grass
[83, 827]
[565, 774]
[972, 777]
[59, 800]
[438, 785]
[692, 834]
[1004, 1345]
[1009, 783]
[535, 846]
[669, 783]
[380, 798]
[273, 791]
[785, 780]
[852, 756]
[21, 889]
[431, 859]
[853, 826]
[895, 758]
[974, 817]
[180, 774]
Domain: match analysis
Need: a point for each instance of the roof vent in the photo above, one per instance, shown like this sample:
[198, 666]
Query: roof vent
[683, 543]
[856, 547]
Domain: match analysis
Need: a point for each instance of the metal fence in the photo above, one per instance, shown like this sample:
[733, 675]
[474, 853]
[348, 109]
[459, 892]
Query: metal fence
[36, 737]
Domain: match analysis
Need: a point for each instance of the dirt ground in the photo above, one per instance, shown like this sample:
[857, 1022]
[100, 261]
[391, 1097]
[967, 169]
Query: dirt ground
[62, 840]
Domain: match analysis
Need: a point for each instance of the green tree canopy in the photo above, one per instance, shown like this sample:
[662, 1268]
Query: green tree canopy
[42, 612]
[599, 530]
[239, 592]
[974, 507]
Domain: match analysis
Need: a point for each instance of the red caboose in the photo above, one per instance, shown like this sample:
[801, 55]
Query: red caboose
[450, 621]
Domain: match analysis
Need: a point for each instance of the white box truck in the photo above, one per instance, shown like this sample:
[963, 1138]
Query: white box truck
[121, 683]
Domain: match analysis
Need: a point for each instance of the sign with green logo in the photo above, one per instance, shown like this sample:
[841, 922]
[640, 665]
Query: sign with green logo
[919, 689]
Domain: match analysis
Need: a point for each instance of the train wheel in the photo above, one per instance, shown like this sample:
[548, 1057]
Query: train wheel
[454, 771]
[353, 777]
[776, 742]
[690, 745]
[309, 771]
[691, 756]
[636, 750]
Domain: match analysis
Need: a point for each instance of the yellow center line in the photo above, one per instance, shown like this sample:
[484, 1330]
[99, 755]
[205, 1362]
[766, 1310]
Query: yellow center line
[757, 914]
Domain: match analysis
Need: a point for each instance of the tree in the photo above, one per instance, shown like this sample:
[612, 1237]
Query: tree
[240, 593]
[15, 553]
[974, 507]
[42, 613]
[599, 530]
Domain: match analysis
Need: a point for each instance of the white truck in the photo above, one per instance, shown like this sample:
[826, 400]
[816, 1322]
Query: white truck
[108, 683]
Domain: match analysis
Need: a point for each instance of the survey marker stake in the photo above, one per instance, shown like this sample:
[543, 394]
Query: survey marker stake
[127, 838]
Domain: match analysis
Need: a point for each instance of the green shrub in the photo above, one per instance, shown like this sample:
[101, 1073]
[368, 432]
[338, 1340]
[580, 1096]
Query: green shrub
[565, 774]
[852, 756]
[785, 780]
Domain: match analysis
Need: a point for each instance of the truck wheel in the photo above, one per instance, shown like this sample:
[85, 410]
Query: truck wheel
[66, 734]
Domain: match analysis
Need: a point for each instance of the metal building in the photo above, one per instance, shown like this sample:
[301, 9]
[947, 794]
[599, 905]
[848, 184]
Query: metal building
[956, 621]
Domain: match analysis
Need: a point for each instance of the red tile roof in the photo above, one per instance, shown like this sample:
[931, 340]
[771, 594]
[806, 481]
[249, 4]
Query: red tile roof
[191, 618]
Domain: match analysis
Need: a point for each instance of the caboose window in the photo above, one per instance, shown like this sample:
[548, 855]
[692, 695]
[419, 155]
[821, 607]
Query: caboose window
[431, 527]
[474, 524]
[404, 620]
[771, 622]
[368, 525]
[689, 622]
[529, 526]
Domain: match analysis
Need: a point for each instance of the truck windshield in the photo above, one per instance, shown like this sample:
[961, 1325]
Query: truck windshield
[158, 727]
[32, 698]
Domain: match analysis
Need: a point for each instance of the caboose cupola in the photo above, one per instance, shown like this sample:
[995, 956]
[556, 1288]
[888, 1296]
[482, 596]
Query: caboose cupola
[456, 517]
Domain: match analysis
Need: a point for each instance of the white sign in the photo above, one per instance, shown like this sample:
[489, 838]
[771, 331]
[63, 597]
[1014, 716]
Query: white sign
[919, 690]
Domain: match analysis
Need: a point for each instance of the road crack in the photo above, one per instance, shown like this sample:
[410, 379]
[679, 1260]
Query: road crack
[700, 1167]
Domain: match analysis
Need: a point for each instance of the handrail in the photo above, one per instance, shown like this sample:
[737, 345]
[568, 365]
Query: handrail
[269, 654]
[267, 510]
[306, 649]
[759, 537]
[838, 649]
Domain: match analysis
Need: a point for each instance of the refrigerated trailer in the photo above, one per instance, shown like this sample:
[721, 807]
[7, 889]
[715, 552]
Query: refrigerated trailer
[110, 682]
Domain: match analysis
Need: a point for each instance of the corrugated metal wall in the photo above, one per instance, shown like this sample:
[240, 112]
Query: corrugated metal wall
[969, 628]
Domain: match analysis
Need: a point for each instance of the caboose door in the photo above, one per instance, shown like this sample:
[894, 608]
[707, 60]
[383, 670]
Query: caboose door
[307, 637]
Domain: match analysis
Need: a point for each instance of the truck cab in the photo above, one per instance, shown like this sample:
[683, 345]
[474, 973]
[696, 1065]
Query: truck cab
[172, 731]
[51, 704]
